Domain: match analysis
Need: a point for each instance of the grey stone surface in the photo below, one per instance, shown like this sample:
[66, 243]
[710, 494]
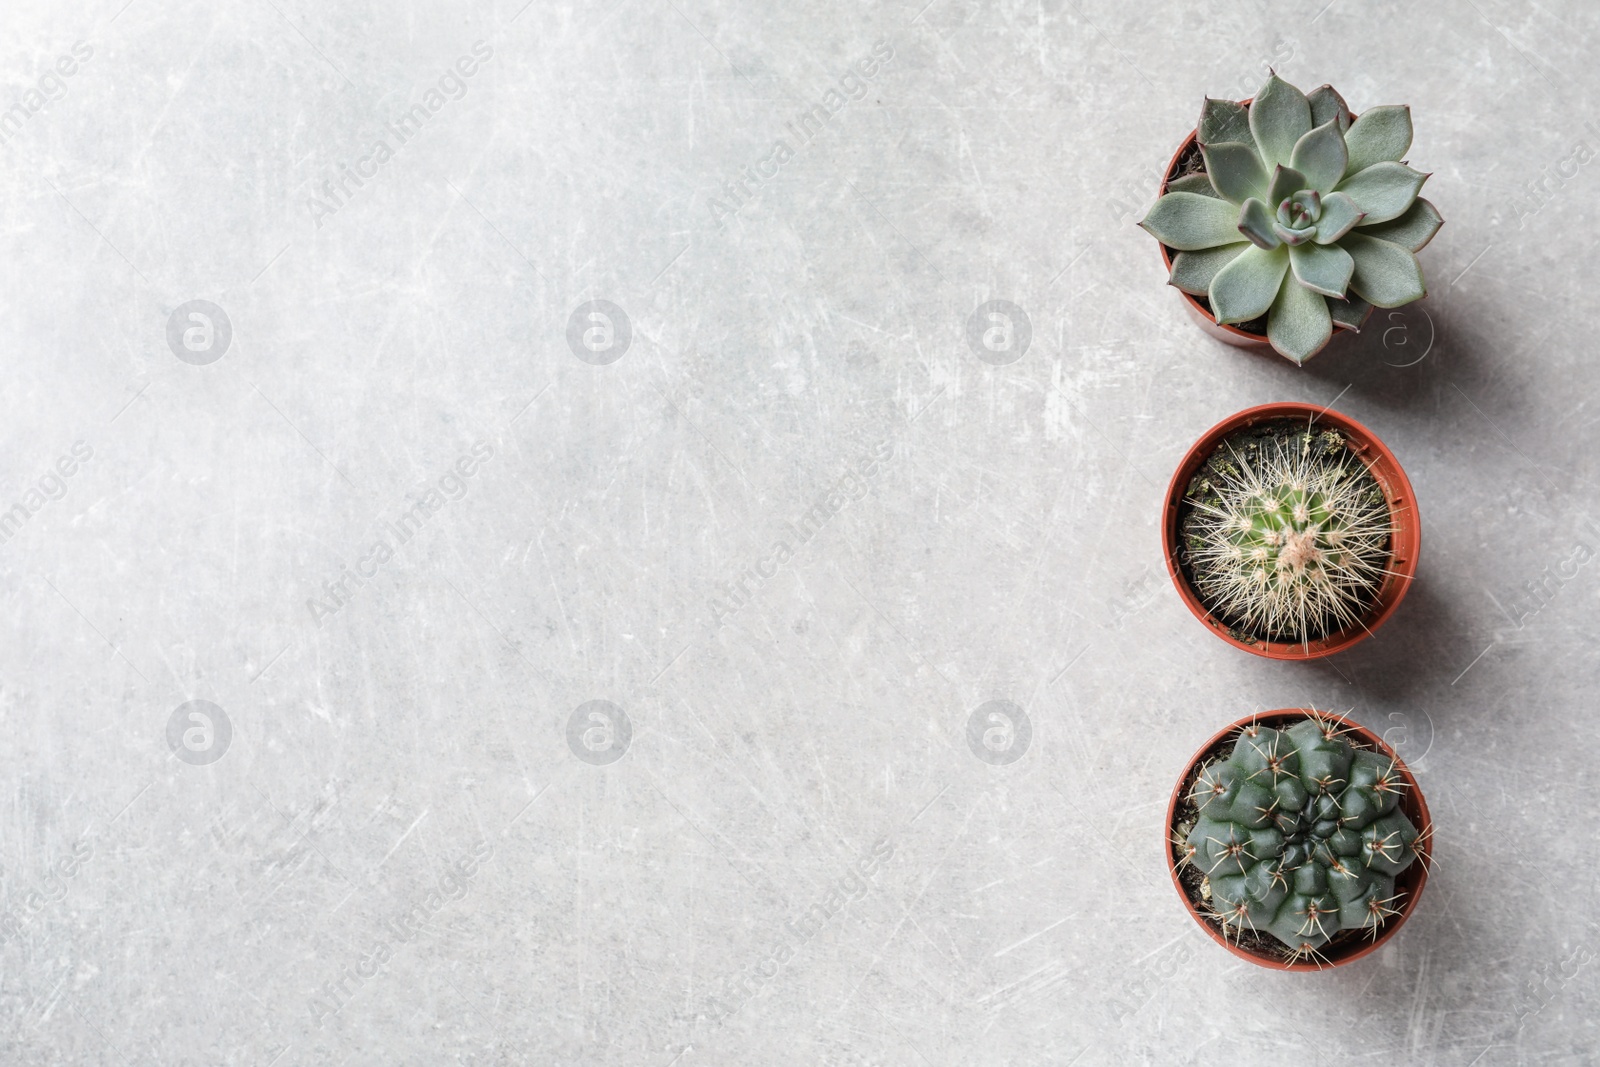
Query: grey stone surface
[399, 832]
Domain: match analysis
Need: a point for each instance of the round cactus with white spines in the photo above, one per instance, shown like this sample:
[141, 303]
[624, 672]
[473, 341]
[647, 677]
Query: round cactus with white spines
[1290, 540]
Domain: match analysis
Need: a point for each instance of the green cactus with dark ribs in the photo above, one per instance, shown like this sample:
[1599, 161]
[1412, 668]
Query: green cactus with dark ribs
[1300, 835]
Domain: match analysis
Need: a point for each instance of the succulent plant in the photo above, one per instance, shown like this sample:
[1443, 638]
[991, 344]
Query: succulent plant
[1302, 214]
[1299, 835]
[1291, 543]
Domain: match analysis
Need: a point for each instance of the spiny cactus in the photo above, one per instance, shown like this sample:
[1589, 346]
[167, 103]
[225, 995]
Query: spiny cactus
[1299, 835]
[1293, 543]
[1302, 214]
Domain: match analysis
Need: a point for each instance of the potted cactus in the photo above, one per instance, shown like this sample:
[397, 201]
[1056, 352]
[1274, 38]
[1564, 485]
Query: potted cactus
[1285, 217]
[1291, 531]
[1298, 840]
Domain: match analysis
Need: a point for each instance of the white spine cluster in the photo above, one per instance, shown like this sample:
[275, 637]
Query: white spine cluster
[1297, 543]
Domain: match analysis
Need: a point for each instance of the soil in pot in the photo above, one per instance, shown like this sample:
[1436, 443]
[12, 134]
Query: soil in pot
[1342, 946]
[1338, 573]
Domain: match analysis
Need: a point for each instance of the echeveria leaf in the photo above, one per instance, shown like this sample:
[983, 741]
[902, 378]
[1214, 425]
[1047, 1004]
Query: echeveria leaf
[1279, 116]
[1413, 230]
[1320, 155]
[1257, 223]
[1291, 237]
[1384, 190]
[1324, 269]
[1339, 213]
[1187, 221]
[1194, 183]
[1386, 274]
[1327, 104]
[1286, 181]
[1351, 312]
[1245, 288]
[1381, 134]
[1223, 120]
[1192, 271]
[1299, 324]
[1235, 170]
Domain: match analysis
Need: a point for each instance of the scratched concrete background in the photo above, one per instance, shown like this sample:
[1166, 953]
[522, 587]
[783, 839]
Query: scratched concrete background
[416, 647]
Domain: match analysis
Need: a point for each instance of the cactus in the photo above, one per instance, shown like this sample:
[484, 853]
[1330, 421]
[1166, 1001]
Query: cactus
[1299, 835]
[1302, 214]
[1291, 544]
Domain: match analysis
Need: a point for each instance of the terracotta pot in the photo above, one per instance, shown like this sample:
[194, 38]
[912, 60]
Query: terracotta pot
[1405, 539]
[1409, 882]
[1199, 312]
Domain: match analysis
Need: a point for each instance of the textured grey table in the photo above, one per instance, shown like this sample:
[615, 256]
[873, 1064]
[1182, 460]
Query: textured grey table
[370, 505]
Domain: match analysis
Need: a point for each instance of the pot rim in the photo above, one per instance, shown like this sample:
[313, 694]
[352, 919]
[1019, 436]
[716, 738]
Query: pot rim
[1405, 536]
[1412, 802]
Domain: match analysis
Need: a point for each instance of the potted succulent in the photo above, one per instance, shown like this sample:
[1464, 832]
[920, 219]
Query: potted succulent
[1291, 531]
[1298, 840]
[1286, 216]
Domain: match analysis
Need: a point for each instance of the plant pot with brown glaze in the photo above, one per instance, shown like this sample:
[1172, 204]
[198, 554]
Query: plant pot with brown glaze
[1298, 840]
[1329, 569]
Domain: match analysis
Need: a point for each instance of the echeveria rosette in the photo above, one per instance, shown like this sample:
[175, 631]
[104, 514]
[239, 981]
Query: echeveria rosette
[1302, 214]
[1300, 835]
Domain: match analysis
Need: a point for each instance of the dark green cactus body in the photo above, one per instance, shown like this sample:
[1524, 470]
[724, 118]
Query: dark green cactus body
[1300, 835]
